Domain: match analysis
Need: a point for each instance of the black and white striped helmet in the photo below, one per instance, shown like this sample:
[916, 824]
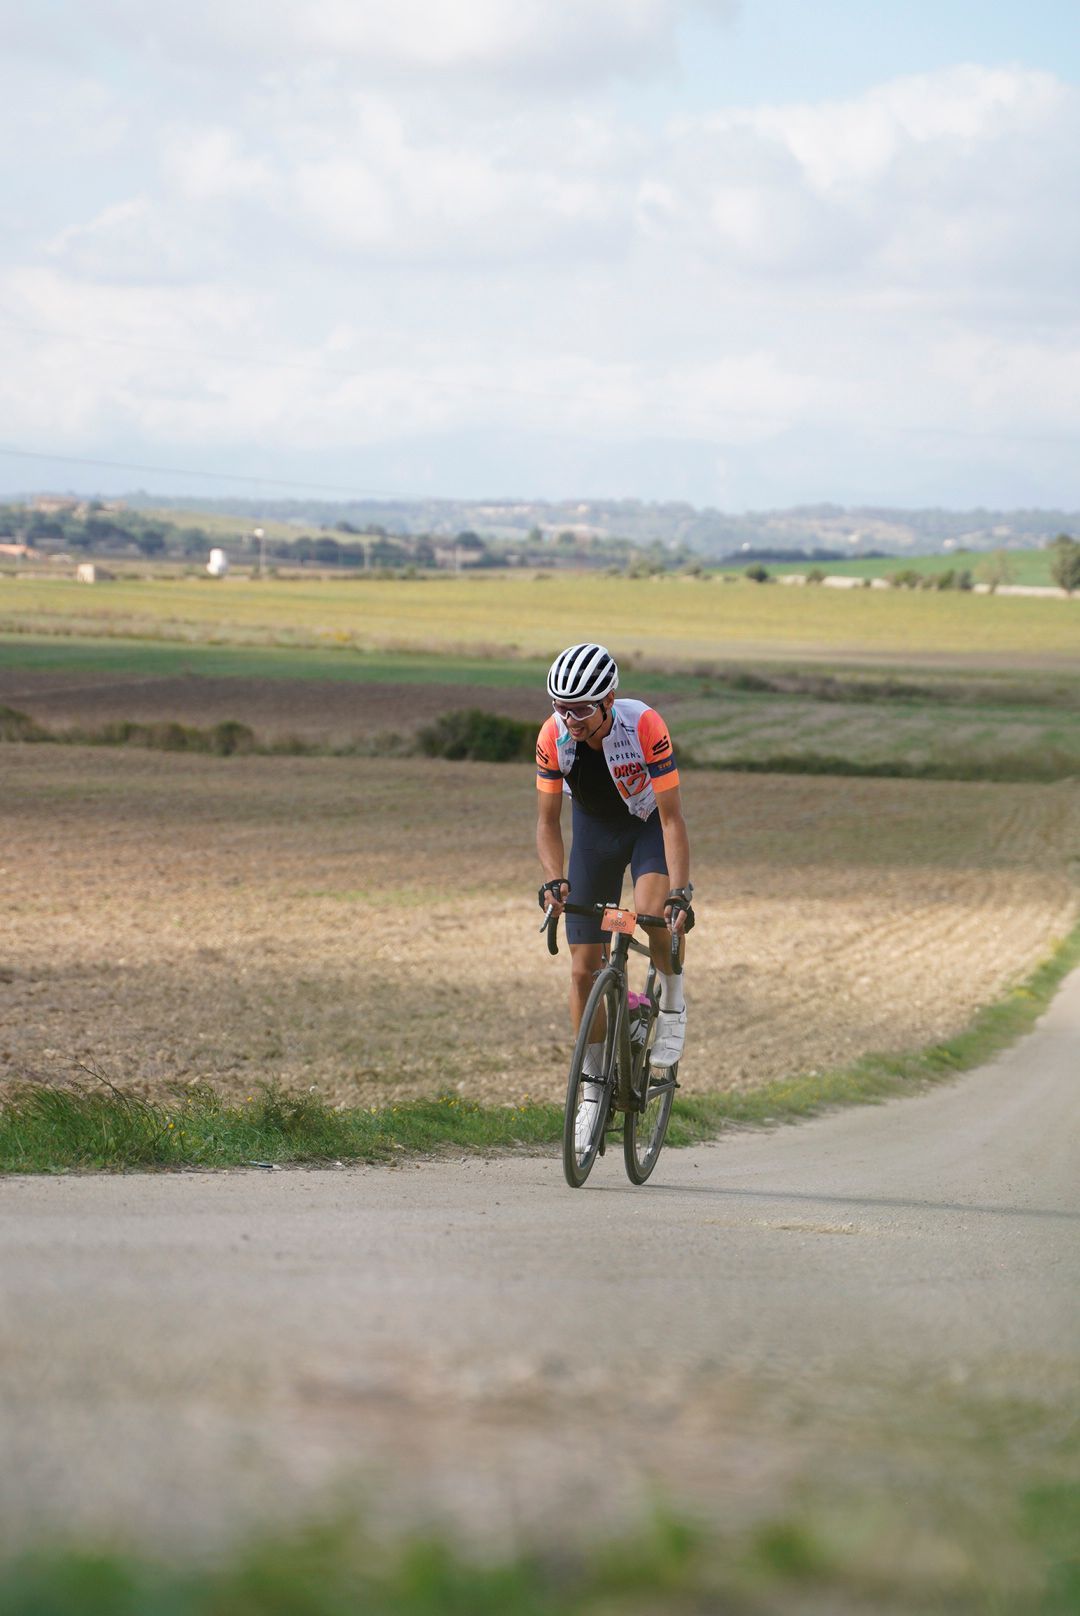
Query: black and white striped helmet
[583, 673]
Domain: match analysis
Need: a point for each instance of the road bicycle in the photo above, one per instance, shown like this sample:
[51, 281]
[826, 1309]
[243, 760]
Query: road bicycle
[632, 1098]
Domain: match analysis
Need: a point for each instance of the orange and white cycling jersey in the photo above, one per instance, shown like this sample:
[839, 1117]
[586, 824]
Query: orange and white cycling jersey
[637, 749]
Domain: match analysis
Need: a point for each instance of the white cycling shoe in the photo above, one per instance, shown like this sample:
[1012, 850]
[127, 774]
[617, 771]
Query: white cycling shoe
[670, 1037]
[585, 1121]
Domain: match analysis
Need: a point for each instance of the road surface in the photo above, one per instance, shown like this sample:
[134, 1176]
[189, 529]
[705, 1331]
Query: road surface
[184, 1355]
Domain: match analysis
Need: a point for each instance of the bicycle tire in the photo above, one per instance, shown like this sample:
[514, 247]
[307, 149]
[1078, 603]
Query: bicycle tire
[645, 1132]
[577, 1161]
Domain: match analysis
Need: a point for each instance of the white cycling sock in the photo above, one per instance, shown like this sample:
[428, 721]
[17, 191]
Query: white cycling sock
[594, 1059]
[671, 992]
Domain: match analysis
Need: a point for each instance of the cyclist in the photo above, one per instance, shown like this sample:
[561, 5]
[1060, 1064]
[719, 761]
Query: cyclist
[614, 758]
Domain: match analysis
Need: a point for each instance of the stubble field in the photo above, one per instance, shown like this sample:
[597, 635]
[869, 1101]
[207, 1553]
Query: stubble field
[368, 928]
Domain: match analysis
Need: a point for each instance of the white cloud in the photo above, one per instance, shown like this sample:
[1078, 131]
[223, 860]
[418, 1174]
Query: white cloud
[209, 165]
[418, 263]
[535, 43]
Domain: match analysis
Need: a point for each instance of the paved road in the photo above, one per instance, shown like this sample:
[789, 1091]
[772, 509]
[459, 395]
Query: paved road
[182, 1354]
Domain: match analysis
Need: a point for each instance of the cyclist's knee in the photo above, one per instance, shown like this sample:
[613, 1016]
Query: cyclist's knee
[584, 962]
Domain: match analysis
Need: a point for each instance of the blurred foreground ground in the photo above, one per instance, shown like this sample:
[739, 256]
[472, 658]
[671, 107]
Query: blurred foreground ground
[865, 1327]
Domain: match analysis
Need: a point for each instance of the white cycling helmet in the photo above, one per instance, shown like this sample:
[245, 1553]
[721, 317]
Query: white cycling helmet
[583, 673]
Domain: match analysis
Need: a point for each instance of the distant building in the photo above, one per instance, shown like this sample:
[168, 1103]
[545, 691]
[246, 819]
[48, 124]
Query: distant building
[25, 552]
[218, 564]
[59, 504]
[54, 504]
[455, 556]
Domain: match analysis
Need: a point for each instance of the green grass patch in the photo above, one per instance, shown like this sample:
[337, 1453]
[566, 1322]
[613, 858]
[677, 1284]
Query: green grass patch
[94, 1126]
[838, 1555]
[44, 1129]
[154, 658]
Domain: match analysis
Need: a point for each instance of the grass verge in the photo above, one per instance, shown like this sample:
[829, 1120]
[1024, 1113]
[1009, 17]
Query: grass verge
[87, 1126]
[809, 1559]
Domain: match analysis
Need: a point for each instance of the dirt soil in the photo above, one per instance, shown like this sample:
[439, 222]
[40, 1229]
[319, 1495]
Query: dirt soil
[368, 928]
[329, 712]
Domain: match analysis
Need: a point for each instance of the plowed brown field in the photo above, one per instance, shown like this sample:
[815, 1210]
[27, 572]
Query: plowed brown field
[325, 711]
[369, 927]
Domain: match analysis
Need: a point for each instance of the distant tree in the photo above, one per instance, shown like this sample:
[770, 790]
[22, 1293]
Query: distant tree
[567, 540]
[757, 574]
[193, 540]
[44, 527]
[534, 536]
[150, 539]
[468, 540]
[326, 551]
[102, 532]
[994, 569]
[1065, 562]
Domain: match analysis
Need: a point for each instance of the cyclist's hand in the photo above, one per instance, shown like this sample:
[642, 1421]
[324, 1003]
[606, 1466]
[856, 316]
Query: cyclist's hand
[555, 894]
[678, 912]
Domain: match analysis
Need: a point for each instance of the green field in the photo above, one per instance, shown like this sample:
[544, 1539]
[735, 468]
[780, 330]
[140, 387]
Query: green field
[163, 659]
[1012, 566]
[670, 620]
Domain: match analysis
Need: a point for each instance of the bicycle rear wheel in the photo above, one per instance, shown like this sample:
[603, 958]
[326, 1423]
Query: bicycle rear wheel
[646, 1130]
[587, 1110]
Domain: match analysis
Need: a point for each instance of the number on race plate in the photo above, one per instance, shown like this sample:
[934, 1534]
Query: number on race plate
[618, 920]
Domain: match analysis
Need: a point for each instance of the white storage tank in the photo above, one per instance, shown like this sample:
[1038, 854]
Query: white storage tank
[218, 564]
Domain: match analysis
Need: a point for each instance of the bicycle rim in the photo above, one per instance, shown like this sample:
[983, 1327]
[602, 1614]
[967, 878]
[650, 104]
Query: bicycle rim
[646, 1130]
[586, 1114]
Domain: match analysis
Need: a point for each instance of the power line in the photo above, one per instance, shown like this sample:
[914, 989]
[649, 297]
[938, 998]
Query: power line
[214, 476]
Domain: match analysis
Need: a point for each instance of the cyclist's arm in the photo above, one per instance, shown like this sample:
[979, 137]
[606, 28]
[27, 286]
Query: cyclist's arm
[549, 836]
[676, 838]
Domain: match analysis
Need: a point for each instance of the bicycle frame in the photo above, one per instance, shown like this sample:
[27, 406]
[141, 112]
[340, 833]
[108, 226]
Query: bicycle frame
[631, 1063]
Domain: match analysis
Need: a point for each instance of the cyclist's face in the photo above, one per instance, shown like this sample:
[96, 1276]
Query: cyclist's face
[577, 713]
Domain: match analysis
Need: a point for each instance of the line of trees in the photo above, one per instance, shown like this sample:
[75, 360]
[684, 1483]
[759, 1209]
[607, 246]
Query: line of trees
[93, 529]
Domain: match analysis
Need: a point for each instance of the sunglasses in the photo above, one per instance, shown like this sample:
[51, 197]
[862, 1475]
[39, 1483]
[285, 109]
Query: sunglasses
[577, 710]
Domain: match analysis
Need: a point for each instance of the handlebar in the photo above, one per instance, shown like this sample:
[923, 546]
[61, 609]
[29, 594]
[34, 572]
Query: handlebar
[550, 924]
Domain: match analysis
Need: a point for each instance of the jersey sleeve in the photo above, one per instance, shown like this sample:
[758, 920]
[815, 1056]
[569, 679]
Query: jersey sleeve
[548, 774]
[657, 750]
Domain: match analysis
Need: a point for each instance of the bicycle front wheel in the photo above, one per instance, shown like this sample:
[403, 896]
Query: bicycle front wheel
[589, 1094]
[646, 1129]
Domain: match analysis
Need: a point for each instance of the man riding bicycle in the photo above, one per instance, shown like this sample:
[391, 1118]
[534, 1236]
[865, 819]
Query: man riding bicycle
[614, 759]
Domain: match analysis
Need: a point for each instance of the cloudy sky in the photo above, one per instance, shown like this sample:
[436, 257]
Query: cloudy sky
[741, 252]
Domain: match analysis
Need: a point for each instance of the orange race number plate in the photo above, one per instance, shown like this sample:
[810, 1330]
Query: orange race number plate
[618, 920]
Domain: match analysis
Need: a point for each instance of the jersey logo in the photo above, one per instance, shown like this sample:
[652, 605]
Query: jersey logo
[630, 778]
[662, 745]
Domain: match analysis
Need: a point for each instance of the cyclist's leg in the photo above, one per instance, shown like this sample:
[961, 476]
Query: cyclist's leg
[651, 887]
[599, 855]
